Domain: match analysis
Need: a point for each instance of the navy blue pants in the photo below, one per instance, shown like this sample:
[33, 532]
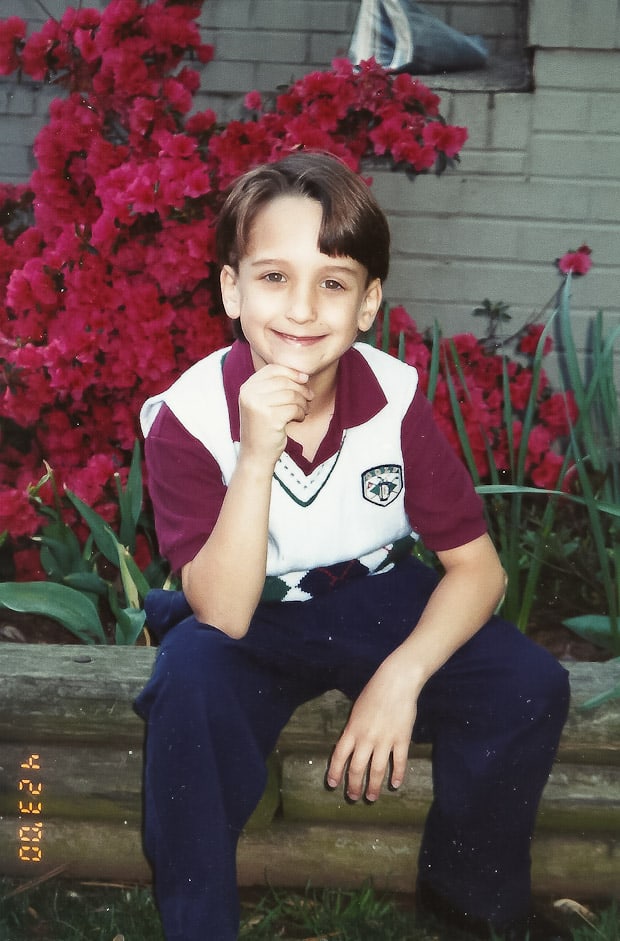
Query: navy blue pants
[215, 707]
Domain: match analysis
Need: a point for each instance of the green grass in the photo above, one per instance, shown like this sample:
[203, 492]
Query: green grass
[66, 911]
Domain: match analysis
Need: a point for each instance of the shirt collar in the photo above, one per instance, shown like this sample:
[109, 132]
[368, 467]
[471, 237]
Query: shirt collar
[359, 397]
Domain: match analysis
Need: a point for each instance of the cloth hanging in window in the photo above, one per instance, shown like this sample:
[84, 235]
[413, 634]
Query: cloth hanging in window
[402, 36]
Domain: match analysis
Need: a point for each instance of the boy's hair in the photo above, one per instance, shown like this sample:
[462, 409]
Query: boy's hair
[353, 224]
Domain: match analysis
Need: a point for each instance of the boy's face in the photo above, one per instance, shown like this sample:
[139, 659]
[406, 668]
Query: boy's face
[298, 307]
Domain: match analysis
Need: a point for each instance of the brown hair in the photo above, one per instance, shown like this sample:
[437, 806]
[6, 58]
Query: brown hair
[353, 223]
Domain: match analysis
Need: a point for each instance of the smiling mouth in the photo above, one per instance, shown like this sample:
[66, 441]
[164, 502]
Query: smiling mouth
[301, 340]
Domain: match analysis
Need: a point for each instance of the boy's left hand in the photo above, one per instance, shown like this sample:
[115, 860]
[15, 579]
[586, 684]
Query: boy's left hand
[379, 727]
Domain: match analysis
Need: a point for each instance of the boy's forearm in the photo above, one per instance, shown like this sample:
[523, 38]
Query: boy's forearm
[383, 716]
[225, 580]
[462, 602]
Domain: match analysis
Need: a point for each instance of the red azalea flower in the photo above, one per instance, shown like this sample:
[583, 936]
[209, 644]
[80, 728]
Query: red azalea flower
[559, 412]
[546, 474]
[521, 388]
[204, 53]
[409, 151]
[178, 95]
[90, 482]
[424, 96]
[577, 262]
[12, 34]
[538, 443]
[87, 19]
[201, 123]
[17, 515]
[28, 566]
[253, 101]
[528, 342]
[445, 138]
[34, 56]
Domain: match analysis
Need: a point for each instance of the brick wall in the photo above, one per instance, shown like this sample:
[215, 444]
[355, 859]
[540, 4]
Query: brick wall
[539, 175]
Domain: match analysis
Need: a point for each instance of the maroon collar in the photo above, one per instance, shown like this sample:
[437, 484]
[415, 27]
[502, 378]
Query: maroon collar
[359, 397]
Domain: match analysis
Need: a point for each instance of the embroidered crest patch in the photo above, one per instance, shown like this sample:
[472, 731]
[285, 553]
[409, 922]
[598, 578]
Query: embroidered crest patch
[381, 485]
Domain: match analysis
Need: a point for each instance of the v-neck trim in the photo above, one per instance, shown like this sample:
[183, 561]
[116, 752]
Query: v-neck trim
[359, 397]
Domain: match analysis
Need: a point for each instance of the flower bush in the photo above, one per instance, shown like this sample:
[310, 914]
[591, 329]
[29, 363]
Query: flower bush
[474, 373]
[108, 272]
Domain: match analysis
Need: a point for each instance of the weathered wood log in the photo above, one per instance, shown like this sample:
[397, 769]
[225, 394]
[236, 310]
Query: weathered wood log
[70, 785]
[83, 849]
[84, 781]
[53, 691]
[577, 798]
[80, 781]
[297, 854]
[85, 693]
[345, 857]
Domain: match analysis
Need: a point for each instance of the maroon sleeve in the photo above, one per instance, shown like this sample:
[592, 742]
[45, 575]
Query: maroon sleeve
[440, 500]
[186, 487]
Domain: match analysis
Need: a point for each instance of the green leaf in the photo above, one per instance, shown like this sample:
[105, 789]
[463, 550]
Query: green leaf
[433, 369]
[130, 500]
[134, 582]
[60, 550]
[134, 484]
[86, 581]
[65, 605]
[129, 624]
[601, 698]
[105, 539]
[611, 509]
[595, 628]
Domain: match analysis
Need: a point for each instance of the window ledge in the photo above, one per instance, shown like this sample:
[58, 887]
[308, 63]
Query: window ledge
[505, 74]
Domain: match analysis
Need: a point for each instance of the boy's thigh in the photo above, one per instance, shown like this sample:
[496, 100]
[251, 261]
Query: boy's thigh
[498, 678]
[204, 675]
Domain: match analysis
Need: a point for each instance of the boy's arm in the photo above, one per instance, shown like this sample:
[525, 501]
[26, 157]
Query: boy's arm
[224, 581]
[382, 718]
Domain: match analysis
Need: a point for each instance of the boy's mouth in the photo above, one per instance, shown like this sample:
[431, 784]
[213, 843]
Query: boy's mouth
[300, 340]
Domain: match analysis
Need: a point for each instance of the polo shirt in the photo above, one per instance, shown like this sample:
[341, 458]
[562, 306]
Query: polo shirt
[187, 488]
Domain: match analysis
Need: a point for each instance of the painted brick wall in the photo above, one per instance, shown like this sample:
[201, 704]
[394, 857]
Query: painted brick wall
[539, 175]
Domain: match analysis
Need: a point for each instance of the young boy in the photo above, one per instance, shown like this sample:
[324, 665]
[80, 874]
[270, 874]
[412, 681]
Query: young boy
[290, 475]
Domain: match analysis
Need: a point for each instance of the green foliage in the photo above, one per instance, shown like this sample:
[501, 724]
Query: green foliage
[69, 606]
[595, 448]
[67, 911]
[71, 911]
[605, 927]
[523, 519]
[496, 314]
[95, 587]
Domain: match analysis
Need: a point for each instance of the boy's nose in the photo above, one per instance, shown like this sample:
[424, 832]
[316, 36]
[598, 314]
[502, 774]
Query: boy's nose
[302, 306]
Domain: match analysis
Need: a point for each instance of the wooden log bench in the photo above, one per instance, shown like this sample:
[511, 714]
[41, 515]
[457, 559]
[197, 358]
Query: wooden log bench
[71, 782]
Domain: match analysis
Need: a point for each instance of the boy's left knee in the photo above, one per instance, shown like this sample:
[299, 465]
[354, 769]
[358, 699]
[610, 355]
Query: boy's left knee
[544, 691]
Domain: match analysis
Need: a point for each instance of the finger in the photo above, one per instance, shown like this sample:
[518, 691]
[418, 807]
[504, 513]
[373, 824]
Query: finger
[400, 757]
[376, 776]
[276, 406]
[337, 763]
[280, 371]
[288, 396]
[356, 775]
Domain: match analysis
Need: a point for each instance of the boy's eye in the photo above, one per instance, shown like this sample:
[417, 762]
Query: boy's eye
[274, 277]
[332, 285]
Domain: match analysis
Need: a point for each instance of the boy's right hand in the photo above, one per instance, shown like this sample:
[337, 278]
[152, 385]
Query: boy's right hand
[270, 399]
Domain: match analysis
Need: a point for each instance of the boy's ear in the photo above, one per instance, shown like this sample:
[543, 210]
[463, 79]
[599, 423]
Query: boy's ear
[230, 291]
[370, 305]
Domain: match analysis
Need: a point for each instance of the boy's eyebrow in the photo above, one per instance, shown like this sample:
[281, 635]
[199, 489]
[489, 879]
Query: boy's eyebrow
[341, 264]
